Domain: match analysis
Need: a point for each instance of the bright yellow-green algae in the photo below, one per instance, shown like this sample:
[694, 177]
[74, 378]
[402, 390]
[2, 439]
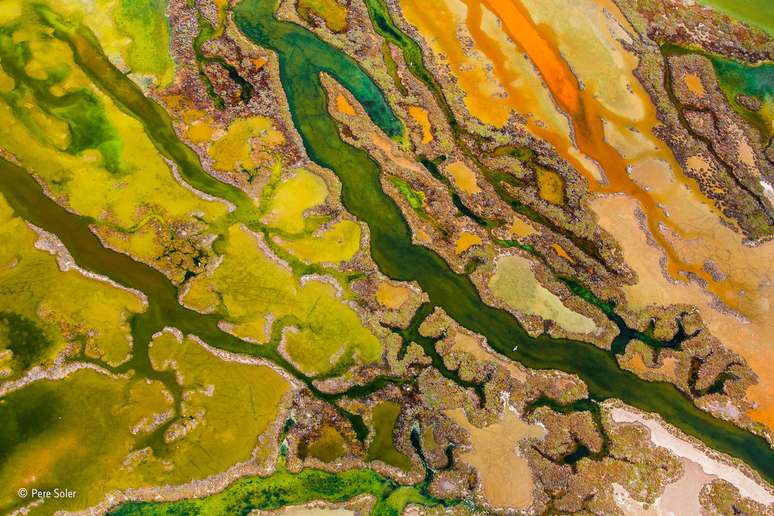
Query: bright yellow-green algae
[288, 202]
[291, 198]
[117, 177]
[38, 314]
[133, 33]
[74, 433]
[338, 243]
[249, 285]
[246, 144]
[382, 447]
[85, 432]
[145, 23]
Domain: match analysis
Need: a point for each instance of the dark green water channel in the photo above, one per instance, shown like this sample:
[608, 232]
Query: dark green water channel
[302, 57]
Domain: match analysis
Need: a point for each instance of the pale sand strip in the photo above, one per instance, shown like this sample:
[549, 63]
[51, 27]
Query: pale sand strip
[661, 436]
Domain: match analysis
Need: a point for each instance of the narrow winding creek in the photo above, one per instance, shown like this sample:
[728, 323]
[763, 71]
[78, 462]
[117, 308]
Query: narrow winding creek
[302, 58]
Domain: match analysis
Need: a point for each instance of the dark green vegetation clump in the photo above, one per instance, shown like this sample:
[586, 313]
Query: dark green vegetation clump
[24, 338]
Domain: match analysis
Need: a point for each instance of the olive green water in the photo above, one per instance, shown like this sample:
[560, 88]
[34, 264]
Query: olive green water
[302, 58]
[300, 55]
[758, 13]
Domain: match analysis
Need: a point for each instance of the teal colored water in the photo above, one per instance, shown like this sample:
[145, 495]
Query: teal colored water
[736, 79]
[755, 81]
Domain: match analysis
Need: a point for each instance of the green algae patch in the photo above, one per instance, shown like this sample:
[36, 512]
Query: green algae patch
[283, 489]
[144, 22]
[331, 12]
[39, 68]
[335, 244]
[291, 198]
[328, 446]
[134, 33]
[758, 13]
[74, 432]
[415, 198]
[38, 314]
[515, 284]
[382, 447]
[757, 81]
[251, 285]
[27, 343]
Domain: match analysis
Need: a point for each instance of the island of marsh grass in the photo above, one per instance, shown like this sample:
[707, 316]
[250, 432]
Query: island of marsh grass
[251, 285]
[38, 317]
[737, 79]
[91, 432]
[514, 283]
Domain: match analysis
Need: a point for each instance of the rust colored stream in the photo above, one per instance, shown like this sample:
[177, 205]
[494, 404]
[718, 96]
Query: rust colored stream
[586, 114]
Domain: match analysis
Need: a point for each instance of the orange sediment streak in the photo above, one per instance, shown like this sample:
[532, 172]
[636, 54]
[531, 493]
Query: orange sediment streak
[521, 100]
[586, 115]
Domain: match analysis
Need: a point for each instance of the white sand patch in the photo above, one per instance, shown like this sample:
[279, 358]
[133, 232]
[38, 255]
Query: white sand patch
[768, 191]
[710, 466]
